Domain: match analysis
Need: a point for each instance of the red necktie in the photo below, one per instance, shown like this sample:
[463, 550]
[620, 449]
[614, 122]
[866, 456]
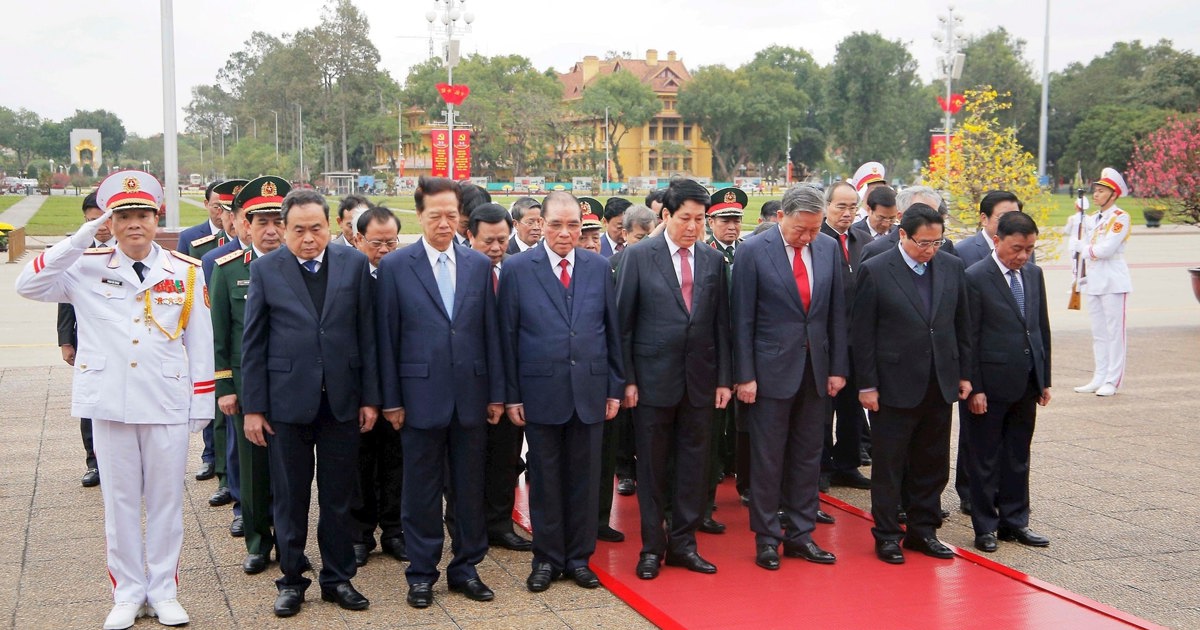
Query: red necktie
[620, 246]
[495, 280]
[564, 276]
[845, 248]
[685, 272]
[801, 275]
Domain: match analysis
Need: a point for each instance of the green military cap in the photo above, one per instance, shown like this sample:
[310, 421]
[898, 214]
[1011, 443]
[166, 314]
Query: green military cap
[728, 202]
[262, 194]
[589, 205]
[227, 190]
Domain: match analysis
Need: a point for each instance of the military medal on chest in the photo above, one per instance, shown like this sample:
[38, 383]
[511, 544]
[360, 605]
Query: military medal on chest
[171, 293]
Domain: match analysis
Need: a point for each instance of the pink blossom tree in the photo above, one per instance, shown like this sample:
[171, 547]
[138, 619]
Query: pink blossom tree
[1166, 168]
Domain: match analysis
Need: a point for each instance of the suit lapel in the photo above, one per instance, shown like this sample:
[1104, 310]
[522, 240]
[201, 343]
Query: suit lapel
[334, 277]
[1003, 287]
[425, 276]
[461, 278]
[939, 285]
[817, 252]
[550, 283]
[666, 266]
[778, 254]
[289, 268]
[903, 278]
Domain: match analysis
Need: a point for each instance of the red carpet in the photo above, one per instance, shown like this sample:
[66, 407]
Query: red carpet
[857, 592]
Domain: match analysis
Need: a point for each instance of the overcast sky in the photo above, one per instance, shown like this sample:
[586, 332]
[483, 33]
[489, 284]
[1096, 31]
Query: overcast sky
[62, 55]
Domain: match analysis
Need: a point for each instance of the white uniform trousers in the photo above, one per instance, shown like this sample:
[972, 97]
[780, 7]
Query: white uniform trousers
[1107, 313]
[142, 461]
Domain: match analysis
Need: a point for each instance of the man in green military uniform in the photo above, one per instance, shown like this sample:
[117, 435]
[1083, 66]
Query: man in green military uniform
[262, 231]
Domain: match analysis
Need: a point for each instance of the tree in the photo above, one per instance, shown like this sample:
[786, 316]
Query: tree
[1166, 167]
[882, 114]
[712, 99]
[986, 156]
[630, 103]
[809, 77]
[21, 132]
[1107, 135]
[997, 59]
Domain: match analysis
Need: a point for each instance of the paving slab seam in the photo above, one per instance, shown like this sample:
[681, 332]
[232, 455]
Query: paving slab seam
[208, 548]
[29, 516]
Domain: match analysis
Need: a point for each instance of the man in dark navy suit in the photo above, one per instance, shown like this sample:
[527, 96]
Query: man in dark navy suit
[311, 382]
[613, 238]
[1010, 377]
[562, 363]
[211, 227]
[527, 219]
[443, 383]
[905, 199]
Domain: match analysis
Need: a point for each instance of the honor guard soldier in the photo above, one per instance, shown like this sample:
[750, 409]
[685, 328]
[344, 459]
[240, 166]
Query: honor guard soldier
[259, 202]
[144, 374]
[1106, 282]
[867, 177]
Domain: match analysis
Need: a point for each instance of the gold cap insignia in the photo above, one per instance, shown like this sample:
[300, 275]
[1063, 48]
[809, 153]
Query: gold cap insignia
[584, 207]
[269, 190]
[236, 190]
[131, 185]
[730, 197]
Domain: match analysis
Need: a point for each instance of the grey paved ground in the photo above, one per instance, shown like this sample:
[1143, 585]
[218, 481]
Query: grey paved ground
[1113, 486]
[19, 213]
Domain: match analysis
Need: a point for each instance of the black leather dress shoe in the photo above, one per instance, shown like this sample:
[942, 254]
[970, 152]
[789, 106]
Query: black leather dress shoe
[254, 563]
[394, 547]
[986, 542]
[287, 603]
[692, 562]
[420, 595]
[824, 481]
[207, 471]
[306, 564]
[647, 566]
[931, 547]
[475, 589]
[945, 514]
[511, 541]
[90, 479]
[345, 596]
[361, 553]
[585, 577]
[626, 486]
[901, 517]
[220, 497]
[767, 557]
[608, 534]
[1025, 536]
[540, 578]
[809, 551]
[964, 506]
[889, 551]
[825, 518]
[851, 479]
[710, 526]
[237, 527]
[864, 457]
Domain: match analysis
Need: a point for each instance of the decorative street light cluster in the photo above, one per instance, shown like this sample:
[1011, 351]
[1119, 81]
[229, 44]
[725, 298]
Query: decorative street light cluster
[950, 65]
[454, 19]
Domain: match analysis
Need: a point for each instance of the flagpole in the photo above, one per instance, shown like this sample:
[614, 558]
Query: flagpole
[170, 139]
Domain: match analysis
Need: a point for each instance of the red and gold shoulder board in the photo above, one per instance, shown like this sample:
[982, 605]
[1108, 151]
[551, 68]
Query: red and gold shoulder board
[202, 240]
[230, 257]
[185, 258]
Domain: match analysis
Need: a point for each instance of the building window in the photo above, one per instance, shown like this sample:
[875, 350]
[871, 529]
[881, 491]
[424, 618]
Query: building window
[653, 133]
[653, 161]
[670, 130]
[687, 133]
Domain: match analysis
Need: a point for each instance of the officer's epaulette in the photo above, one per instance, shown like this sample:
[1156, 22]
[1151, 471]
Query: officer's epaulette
[185, 258]
[230, 257]
[204, 239]
[1118, 212]
[98, 250]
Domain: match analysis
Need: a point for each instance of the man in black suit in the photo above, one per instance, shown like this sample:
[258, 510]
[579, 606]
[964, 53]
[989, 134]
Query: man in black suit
[971, 250]
[310, 381]
[612, 240]
[68, 340]
[905, 199]
[912, 354]
[790, 358]
[673, 308]
[527, 219]
[841, 458]
[882, 215]
[1010, 376]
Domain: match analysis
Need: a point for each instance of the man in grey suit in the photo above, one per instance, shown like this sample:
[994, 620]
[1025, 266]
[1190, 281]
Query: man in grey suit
[1010, 376]
[673, 309]
[789, 340]
[912, 353]
[310, 381]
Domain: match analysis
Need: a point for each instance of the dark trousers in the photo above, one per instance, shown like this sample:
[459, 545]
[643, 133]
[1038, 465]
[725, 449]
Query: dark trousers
[999, 466]
[741, 458]
[962, 463]
[785, 463]
[233, 470]
[85, 431]
[220, 452]
[208, 455]
[843, 439]
[626, 461]
[255, 489]
[910, 453]
[380, 484]
[683, 435]
[430, 456]
[723, 434]
[291, 453]
[610, 443]
[564, 461]
[502, 467]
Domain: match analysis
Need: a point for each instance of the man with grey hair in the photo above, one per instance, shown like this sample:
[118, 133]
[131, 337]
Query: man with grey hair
[527, 223]
[904, 200]
[790, 356]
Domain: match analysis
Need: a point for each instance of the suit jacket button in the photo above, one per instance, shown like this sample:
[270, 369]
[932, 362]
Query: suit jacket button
[135, 342]
[572, 333]
[133, 364]
[83, 366]
[572, 362]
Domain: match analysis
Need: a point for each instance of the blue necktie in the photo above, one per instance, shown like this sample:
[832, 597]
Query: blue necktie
[1018, 291]
[310, 265]
[919, 268]
[445, 285]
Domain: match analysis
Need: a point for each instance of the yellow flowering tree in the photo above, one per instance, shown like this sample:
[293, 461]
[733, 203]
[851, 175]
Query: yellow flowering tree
[985, 156]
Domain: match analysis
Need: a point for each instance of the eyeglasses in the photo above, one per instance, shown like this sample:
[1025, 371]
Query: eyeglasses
[928, 244]
[377, 244]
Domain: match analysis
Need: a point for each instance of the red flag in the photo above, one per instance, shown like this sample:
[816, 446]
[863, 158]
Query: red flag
[955, 103]
[453, 94]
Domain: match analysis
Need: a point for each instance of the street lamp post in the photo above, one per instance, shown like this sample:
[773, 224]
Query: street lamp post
[1044, 116]
[449, 12]
[951, 65]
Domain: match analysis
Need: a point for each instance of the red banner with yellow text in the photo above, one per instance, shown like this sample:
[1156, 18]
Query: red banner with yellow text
[462, 154]
[937, 151]
[440, 140]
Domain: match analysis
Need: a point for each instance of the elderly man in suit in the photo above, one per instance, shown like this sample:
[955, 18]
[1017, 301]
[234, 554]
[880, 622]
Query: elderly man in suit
[442, 384]
[562, 363]
[912, 352]
[1010, 376]
[527, 219]
[673, 307]
[311, 386]
[904, 200]
[789, 340]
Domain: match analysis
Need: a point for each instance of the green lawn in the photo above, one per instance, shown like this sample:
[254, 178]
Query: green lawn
[7, 201]
[62, 215]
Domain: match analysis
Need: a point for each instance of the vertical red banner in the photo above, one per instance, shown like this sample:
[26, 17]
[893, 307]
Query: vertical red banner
[462, 154]
[937, 151]
[440, 141]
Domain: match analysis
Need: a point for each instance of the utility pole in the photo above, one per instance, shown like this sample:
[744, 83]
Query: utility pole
[449, 12]
[951, 67]
[1044, 118]
[170, 139]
